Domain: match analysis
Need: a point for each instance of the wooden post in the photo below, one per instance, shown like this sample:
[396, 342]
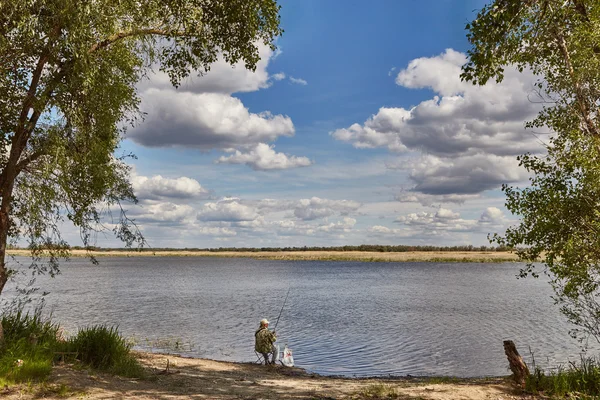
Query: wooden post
[517, 366]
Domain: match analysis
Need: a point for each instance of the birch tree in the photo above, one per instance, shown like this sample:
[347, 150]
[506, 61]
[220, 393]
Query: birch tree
[559, 40]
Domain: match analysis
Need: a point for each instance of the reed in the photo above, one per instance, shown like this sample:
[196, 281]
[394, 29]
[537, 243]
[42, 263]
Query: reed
[312, 255]
[32, 343]
[582, 380]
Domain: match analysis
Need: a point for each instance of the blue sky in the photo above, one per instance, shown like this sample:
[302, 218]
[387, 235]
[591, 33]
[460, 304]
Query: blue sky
[356, 130]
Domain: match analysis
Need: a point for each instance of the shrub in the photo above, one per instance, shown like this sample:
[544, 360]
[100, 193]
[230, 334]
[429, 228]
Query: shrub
[31, 344]
[103, 348]
[583, 379]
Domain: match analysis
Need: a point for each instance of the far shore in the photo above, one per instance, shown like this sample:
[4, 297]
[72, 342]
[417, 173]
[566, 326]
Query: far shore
[176, 377]
[371, 256]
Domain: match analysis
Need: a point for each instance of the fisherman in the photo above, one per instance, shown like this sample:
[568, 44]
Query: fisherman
[265, 342]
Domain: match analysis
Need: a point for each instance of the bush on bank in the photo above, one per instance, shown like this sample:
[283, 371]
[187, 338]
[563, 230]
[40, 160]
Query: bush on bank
[582, 379]
[32, 343]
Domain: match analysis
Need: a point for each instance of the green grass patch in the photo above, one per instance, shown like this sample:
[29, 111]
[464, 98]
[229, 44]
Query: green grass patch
[32, 344]
[581, 379]
[103, 348]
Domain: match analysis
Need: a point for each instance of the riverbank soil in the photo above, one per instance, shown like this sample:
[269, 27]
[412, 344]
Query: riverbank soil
[192, 378]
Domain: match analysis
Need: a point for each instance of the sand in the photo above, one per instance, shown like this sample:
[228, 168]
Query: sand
[193, 378]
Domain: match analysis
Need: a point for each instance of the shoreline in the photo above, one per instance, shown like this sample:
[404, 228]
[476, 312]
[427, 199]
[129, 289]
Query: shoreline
[176, 377]
[362, 256]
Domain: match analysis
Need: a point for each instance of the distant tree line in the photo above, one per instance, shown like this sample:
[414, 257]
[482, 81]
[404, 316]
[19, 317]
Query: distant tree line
[363, 247]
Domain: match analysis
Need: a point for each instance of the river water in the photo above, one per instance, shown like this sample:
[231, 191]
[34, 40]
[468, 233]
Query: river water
[341, 318]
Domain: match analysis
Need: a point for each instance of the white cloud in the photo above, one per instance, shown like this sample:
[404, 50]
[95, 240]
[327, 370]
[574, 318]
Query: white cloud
[228, 211]
[466, 175]
[492, 215]
[345, 225]
[298, 81]
[205, 121]
[429, 199]
[315, 208]
[203, 114]
[214, 231]
[446, 221]
[157, 187]
[222, 77]
[163, 213]
[470, 134]
[263, 157]
[384, 230]
[440, 73]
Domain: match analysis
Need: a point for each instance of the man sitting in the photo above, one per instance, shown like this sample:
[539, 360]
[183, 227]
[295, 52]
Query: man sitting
[264, 342]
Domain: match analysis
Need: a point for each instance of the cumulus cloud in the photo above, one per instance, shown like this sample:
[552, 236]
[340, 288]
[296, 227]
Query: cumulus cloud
[221, 78]
[203, 114]
[228, 210]
[345, 225]
[429, 199]
[205, 121]
[263, 158]
[469, 133]
[446, 220]
[492, 215]
[314, 208]
[308, 209]
[164, 213]
[158, 187]
[466, 175]
[380, 230]
[214, 231]
[298, 81]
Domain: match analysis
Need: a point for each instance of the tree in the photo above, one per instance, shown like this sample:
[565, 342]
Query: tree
[560, 210]
[68, 74]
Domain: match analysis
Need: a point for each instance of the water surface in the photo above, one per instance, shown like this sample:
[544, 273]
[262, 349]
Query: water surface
[348, 318]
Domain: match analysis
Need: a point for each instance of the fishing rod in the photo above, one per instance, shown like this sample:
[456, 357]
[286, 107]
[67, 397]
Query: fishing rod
[286, 297]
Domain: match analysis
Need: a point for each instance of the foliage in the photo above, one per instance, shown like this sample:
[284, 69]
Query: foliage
[68, 74]
[560, 213]
[104, 349]
[30, 343]
[583, 379]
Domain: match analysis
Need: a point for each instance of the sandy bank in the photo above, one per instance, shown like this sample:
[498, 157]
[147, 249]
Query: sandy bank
[192, 378]
[432, 256]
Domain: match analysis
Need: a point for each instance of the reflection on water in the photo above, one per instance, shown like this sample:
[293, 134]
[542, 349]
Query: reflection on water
[348, 318]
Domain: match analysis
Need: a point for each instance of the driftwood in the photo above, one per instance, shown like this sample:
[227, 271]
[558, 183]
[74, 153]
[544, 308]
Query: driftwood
[517, 366]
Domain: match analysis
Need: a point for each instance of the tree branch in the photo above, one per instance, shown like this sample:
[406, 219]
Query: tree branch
[28, 160]
[579, 95]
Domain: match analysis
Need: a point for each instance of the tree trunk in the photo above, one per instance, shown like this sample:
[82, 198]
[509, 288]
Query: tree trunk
[517, 366]
[4, 222]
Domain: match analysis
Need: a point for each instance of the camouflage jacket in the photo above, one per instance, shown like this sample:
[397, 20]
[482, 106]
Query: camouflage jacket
[264, 340]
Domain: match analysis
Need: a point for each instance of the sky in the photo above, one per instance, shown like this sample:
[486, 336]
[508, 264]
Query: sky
[356, 130]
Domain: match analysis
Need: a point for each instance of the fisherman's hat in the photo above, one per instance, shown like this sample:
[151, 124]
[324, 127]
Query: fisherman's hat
[264, 321]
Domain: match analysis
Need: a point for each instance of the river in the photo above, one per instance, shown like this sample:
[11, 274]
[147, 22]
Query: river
[341, 318]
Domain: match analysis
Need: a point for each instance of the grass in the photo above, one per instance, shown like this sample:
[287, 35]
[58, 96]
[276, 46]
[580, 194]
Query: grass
[104, 349]
[322, 255]
[378, 391]
[582, 380]
[30, 342]
[32, 345]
